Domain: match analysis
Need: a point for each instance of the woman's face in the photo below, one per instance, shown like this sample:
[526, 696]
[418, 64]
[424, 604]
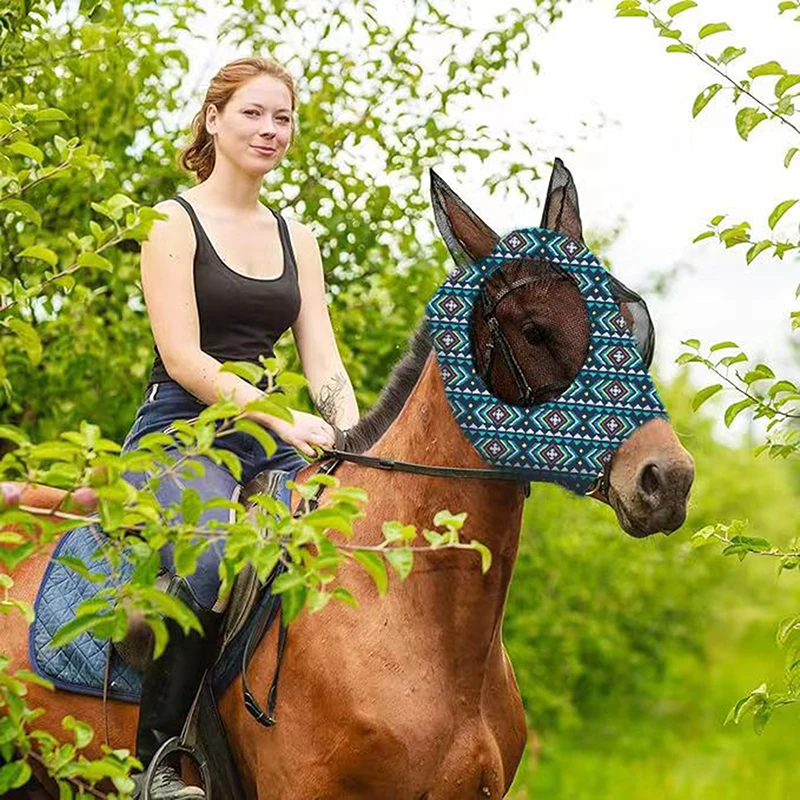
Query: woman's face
[258, 115]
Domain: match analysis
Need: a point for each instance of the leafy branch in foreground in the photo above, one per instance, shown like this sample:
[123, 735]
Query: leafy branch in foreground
[309, 548]
[757, 390]
[760, 702]
[64, 762]
[739, 233]
[747, 117]
[760, 392]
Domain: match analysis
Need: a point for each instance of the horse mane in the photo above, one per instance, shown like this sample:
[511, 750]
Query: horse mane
[394, 394]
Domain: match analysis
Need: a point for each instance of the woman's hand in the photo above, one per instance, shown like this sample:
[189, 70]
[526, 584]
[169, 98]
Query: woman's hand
[304, 432]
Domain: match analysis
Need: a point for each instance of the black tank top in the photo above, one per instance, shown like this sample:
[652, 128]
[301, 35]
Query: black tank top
[240, 317]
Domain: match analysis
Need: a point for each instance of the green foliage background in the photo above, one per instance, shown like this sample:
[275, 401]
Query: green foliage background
[628, 653]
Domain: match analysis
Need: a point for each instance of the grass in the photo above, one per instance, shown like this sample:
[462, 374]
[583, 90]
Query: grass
[679, 749]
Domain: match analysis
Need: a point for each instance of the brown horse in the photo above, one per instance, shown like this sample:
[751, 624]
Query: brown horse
[412, 695]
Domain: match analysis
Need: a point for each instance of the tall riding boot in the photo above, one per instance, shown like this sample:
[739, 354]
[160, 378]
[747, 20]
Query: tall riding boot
[169, 686]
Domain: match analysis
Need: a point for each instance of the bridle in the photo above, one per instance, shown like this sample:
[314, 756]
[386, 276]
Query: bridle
[528, 396]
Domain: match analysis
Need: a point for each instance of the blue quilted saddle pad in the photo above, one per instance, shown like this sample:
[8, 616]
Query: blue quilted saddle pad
[80, 665]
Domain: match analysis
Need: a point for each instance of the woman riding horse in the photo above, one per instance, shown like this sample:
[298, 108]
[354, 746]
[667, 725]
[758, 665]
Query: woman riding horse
[216, 290]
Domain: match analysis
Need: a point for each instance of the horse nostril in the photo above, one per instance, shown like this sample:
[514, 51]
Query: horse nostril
[649, 480]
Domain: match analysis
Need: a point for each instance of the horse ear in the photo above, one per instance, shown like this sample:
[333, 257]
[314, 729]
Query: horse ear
[466, 235]
[561, 212]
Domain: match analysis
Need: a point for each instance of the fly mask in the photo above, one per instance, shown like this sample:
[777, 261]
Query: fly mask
[565, 428]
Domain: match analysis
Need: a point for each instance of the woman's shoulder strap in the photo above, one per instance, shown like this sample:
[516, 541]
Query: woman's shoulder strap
[286, 242]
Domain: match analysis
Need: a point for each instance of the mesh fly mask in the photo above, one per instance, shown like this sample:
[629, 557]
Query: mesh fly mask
[567, 431]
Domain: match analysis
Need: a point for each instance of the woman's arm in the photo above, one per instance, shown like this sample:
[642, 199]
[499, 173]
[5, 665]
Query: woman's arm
[328, 383]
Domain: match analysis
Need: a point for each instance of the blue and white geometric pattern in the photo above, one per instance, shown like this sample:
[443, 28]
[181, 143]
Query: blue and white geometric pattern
[567, 440]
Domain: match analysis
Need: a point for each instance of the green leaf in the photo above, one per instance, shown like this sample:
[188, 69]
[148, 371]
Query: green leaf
[402, 559]
[32, 677]
[705, 394]
[779, 211]
[170, 606]
[28, 337]
[790, 154]
[747, 119]
[83, 732]
[229, 459]
[250, 372]
[669, 33]
[716, 220]
[290, 380]
[185, 556]
[287, 580]
[75, 627]
[94, 260]
[26, 149]
[13, 434]
[41, 252]
[329, 518]
[632, 12]
[723, 346]
[78, 566]
[292, 602]
[486, 554]
[729, 361]
[679, 8]
[786, 83]
[444, 519]
[702, 100]
[340, 593]
[375, 567]
[23, 208]
[757, 249]
[394, 531]
[769, 68]
[731, 54]
[50, 115]
[781, 386]
[693, 343]
[191, 506]
[712, 28]
[680, 48]
[14, 775]
[259, 433]
[765, 370]
[160, 636]
[733, 411]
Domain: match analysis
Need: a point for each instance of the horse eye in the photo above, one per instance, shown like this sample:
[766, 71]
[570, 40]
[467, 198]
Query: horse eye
[534, 333]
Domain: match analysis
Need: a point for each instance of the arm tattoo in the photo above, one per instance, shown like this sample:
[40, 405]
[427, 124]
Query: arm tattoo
[328, 400]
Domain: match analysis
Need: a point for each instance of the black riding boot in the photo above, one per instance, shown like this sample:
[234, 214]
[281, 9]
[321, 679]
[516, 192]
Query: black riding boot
[169, 686]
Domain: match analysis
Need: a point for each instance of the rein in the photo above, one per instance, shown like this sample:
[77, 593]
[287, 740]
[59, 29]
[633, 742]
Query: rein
[427, 469]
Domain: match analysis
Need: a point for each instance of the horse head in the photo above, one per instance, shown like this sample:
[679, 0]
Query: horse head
[545, 358]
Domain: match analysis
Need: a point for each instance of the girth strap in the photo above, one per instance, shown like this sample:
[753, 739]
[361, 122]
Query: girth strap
[266, 616]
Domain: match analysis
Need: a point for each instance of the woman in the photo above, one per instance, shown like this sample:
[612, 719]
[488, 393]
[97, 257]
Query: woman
[223, 277]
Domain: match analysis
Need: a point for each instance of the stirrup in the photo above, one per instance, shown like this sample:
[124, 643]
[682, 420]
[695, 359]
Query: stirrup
[170, 746]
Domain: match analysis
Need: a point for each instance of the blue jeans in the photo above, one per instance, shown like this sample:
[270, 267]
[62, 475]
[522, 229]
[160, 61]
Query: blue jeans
[166, 402]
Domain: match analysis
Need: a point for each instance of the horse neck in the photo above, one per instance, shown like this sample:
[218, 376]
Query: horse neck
[466, 601]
